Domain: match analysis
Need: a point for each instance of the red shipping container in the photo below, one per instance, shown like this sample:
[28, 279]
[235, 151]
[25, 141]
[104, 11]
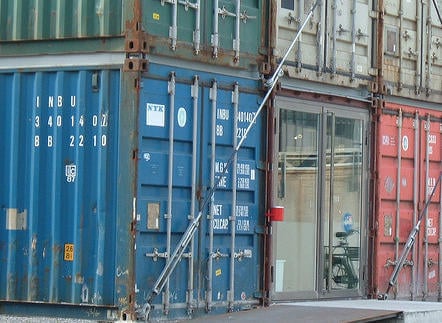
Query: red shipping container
[408, 164]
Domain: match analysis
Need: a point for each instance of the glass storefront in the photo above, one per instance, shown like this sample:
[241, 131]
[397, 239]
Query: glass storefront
[321, 184]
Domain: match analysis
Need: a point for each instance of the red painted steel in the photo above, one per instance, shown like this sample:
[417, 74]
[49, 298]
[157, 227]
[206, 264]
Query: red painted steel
[406, 136]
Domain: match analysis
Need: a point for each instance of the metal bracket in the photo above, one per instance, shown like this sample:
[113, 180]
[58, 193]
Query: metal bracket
[218, 255]
[431, 262]
[292, 18]
[341, 30]
[390, 262]
[360, 34]
[187, 4]
[241, 254]
[406, 35]
[411, 52]
[244, 16]
[155, 254]
[223, 12]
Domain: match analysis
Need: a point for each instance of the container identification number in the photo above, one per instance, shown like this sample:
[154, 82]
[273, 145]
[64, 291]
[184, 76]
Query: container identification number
[61, 113]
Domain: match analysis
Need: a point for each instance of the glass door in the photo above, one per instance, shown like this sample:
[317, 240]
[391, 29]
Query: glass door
[317, 248]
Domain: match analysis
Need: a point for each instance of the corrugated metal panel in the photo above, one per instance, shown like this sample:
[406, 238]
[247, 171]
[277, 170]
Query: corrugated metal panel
[335, 46]
[412, 65]
[409, 162]
[177, 165]
[220, 32]
[55, 19]
[59, 172]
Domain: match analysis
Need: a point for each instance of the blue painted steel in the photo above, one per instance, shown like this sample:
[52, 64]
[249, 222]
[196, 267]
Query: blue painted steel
[152, 200]
[58, 175]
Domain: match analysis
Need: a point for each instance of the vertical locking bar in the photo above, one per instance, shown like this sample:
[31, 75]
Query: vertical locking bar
[398, 185]
[236, 41]
[215, 36]
[213, 98]
[427, 176]
[353, 42]
[415, 201]
[190, 283]
[197, 31]
[235, 102]
[171, 91]
[173, 29]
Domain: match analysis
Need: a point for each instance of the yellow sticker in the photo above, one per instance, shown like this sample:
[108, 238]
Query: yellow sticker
[218, 272]
[69, 252]
[156, 16]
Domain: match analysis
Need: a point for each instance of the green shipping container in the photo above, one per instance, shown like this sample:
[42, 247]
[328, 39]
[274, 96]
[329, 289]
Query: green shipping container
[222, 32]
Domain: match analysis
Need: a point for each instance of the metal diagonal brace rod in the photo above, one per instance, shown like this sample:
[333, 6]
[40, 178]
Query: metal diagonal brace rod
[437, 10]
[410, 242]
[187, 236]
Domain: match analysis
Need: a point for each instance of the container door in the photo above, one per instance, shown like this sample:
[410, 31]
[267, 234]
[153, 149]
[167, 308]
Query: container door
[190, 121]
[58, 192]
[320, 175]
[409, 167]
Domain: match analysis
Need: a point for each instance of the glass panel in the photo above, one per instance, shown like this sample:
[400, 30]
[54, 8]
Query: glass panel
[297, 192]
[288, 4]
[343, 202]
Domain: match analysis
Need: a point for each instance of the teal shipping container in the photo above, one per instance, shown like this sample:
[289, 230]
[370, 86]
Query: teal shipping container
[224, 32]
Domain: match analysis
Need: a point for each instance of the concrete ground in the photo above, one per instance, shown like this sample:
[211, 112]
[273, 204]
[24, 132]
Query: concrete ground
[339, 311]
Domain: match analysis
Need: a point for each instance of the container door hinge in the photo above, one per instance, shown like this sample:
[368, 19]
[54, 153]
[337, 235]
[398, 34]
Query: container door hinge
[262, 165]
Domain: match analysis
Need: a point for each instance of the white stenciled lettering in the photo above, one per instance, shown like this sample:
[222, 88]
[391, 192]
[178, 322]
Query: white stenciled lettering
[96, 141]
[243, 183]
[245, 116]
[219, 130]
[243, 225]
[50, 141]
[37, 101]
[37, 121]
[217, 209]
[222, 114]
[240, 132]
[222, 182]
[51, 102]
[59, 101]
[104, 120]
[37, 141]
[220, 167]
[220, 224]
[242, 211]
[243, 169]
[73, 101]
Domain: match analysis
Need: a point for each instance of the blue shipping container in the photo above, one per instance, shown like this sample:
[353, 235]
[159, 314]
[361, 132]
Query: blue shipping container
[82, 232]
[59, 195]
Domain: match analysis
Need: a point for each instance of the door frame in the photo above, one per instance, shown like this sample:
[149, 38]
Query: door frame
[322, 108]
